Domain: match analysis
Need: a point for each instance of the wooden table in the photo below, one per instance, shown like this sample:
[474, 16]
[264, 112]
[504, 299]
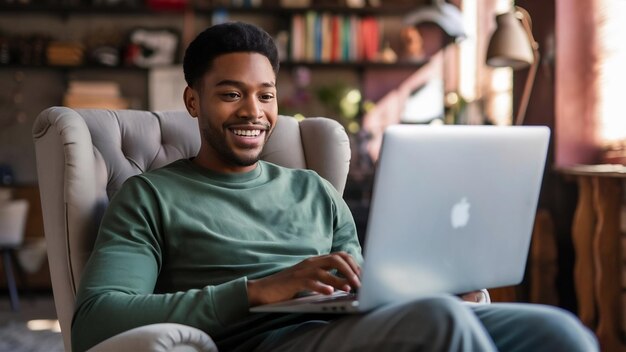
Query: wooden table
[596, 237]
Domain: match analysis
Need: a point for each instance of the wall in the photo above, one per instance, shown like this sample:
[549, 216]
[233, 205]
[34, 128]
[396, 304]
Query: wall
[577, 101]
[16, 146]
[558, 195]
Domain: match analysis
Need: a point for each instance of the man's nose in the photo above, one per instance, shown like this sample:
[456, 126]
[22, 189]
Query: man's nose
[250, 108]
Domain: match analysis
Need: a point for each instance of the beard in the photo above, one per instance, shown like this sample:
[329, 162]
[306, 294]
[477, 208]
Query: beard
[217, 141]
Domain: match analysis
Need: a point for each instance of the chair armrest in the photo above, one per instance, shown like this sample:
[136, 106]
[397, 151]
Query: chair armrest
[158, 338]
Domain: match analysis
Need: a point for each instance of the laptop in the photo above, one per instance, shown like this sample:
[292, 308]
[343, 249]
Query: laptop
[452, 211]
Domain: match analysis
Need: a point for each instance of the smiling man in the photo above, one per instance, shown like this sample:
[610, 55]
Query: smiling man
[238, 112]
[200, 241]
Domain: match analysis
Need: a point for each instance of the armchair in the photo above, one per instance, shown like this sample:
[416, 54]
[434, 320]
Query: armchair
[83, 157]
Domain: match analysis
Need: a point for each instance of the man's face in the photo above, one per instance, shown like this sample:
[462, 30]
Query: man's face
[235, 103]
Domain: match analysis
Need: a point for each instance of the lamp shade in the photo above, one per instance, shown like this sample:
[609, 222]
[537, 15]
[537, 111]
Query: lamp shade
[510, 45]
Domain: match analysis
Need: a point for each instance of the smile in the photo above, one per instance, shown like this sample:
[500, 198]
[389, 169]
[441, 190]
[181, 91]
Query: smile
[247, 133]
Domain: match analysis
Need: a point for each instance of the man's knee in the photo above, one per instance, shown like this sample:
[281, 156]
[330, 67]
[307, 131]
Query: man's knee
[549, 318]
[543, 328]
[436, 313]
[436, 305]
[442, 323]
[562, 328]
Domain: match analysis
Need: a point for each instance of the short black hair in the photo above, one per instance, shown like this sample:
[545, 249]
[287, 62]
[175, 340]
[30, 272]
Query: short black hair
[225, 38]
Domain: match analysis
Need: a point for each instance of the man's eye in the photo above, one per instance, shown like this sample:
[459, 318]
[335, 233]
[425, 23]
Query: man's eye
[267, 97]
[231, 96]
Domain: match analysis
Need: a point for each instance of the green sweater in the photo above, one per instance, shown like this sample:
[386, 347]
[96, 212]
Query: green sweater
[178, 244]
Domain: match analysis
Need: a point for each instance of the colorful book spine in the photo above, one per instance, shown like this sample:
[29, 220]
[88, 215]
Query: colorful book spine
[298, 38]
[325, 37]
[311, 19]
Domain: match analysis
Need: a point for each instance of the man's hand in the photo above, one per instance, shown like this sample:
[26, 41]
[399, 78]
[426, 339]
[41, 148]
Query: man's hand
[312, 274]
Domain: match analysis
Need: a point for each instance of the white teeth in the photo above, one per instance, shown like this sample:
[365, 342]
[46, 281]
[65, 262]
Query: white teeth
[247, 133]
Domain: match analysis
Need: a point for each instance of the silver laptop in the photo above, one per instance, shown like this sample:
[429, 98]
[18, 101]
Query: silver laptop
[452, 212]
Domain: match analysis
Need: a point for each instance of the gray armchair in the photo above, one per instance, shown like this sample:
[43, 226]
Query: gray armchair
[83, 157]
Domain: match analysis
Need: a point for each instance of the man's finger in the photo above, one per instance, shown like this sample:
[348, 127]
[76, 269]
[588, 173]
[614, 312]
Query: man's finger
[343, 267]
[350, 260]
[319, 287]
[334, 281]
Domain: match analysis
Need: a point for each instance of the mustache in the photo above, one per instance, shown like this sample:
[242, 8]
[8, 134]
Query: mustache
[263, 124]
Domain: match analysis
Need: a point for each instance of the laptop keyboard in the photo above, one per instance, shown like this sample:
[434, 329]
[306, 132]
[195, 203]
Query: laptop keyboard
[336, 298]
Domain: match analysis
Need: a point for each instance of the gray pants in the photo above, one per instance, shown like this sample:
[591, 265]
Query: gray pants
[442, 323]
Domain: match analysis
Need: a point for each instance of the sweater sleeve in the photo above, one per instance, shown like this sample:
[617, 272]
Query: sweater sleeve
[344, 229]
[116, 291]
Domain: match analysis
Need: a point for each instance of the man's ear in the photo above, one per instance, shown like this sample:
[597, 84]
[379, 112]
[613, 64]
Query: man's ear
[190, 97]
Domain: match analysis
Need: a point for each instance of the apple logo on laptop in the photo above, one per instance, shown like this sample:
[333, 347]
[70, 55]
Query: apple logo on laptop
[460, 213]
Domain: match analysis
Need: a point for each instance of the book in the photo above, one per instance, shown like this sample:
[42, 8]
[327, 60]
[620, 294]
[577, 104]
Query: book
[106, 88]
[298, 38]
[94, 94]
[370, 39]
[309, 52]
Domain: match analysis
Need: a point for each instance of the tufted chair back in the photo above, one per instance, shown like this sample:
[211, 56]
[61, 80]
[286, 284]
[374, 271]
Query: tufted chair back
[84, 156]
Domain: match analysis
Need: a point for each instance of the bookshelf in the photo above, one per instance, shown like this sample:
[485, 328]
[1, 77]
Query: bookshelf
[278, 16]
[272, 17]
[70, 19]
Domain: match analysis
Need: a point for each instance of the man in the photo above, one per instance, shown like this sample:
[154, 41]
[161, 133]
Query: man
[200, 241]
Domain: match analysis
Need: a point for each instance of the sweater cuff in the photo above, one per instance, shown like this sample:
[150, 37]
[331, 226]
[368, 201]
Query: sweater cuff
[230, 300]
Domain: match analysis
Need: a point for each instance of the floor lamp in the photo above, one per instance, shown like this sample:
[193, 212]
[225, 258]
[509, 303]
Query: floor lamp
[513, 45]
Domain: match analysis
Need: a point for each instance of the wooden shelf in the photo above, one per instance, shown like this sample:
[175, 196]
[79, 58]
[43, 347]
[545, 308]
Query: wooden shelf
[47, 9]
[55, 10]
[285, 64]
[337, 9]
[72, 68]
[361, 65]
